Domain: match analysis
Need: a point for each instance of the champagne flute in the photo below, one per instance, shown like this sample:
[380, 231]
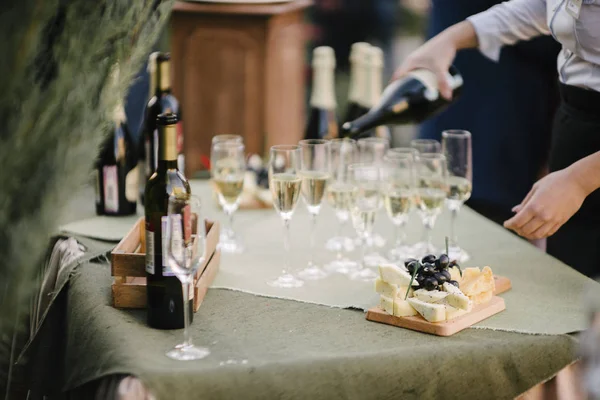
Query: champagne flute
[315, 173]
[228, 167]
[366, 202]
[456, 146]
[285, 183]
[344, 152]
[398, 183]
[431, 193]
[371, 151]
[426, 145]
[186, 251]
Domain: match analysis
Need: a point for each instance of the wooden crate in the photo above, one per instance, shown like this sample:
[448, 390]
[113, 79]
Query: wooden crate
[128, 267]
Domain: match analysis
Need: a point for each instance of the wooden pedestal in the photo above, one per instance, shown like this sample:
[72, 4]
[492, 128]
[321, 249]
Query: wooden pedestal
[239, 69]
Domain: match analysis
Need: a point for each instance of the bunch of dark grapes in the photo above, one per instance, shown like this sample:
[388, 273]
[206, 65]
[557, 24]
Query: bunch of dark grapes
[432, 272]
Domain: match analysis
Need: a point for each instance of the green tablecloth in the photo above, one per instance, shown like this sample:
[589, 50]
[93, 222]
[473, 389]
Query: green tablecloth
[273, 348]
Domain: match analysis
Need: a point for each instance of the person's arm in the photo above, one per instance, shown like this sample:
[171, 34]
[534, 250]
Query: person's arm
[505, 23]
[555, 198]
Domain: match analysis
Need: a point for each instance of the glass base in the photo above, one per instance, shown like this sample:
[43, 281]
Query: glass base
[312, 272]
[422, 249]
[230, 243]
[373, 260]
[458, 254]
[364, 274]
[341, 266]
[286, 281]
[402, 253]
[340, 243]
[375, 241]
[187, 352]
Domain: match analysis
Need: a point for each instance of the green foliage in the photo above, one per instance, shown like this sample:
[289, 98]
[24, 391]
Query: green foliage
[55, 95]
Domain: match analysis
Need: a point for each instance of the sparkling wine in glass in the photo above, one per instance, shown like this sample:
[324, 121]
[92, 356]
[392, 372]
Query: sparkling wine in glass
[186, 251]
[228, 167]
[285, 185]
[340, 193]
[456, 145]
[430, 194]
[398, 188]
[366, 203]
[426, 145]
[372, 151]
[315, 172]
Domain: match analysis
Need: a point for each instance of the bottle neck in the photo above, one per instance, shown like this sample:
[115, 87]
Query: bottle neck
[167, 147]
[358, 79]
[163, 77]
[323, 94]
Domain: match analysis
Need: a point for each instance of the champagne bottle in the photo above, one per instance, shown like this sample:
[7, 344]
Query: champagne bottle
[374, 87]
[322, 121]
[116, 170]
[162, 101]
[411, 99]
[164, 291]
[358, 81]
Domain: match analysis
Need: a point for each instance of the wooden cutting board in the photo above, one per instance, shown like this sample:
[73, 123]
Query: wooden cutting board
[447, 328]
[502, 284]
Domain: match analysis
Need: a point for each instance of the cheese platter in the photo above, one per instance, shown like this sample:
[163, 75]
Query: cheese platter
[435, 296]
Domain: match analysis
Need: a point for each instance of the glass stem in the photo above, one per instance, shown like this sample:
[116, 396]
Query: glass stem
[453, 237]
[339, 236]
[187, 340]
[363, 251]
[230, 222]
[313, 228]
[286, 246]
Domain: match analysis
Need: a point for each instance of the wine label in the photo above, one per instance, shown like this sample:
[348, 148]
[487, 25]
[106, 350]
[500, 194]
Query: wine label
[147, 162]
[97, 186]
[131, 185]
[166, 269]
[111, 188]
[149, 249]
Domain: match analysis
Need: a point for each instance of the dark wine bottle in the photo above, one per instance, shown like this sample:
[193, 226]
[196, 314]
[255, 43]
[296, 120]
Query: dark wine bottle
[162, 101]
[322, 121]
[411, 99]
[116, 170]
[164, 291]
[358, 81]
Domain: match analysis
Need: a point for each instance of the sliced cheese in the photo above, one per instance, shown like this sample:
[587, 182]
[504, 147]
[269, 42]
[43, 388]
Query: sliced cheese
[387, 304]
[430, 296]
[453, 312]
[456, 298]
[450, 288]
[392, 274]
[432, 312]
[473, 283]
[482, 298]
[402, 308]
[389, 290]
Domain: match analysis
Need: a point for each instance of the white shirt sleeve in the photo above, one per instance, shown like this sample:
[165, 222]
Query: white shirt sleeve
[508, 23]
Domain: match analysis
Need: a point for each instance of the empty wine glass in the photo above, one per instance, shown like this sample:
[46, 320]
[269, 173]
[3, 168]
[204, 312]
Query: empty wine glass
[426, 145]
[456, 146]
[431, 194]
[228, 168]
[285, 183]
[398, 188]
[371, 151]
[186, 251]
[366, 202]
[344, 152]
[315, 173]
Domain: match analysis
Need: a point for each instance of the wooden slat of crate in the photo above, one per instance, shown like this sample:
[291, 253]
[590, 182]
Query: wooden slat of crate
[128, 267]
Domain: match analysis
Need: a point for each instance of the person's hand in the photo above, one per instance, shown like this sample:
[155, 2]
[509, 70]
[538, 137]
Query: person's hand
[436, 55]
[548, 205]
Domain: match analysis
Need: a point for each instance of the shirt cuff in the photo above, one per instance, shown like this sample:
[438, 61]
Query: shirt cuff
[488, 38]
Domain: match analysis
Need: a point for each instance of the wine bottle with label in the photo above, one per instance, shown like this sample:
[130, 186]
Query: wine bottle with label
[374, 87]
[116, 172]
[164, 291]
[162, 101]
[411, 99]
[322, 121]
[358, 81]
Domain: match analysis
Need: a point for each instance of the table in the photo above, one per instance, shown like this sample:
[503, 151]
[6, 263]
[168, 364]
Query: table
[272, 348]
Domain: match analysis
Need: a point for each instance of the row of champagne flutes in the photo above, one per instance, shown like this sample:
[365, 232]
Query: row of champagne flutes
[360, 178]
